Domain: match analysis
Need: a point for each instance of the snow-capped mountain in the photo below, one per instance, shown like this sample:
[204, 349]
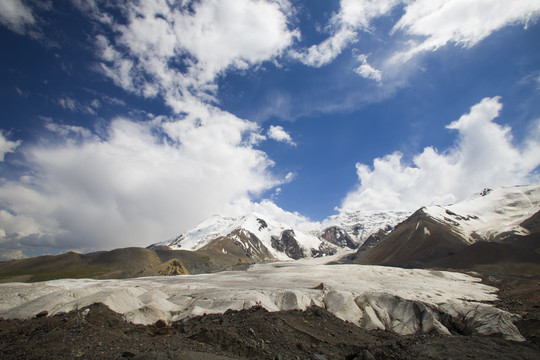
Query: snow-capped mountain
[359, 225]
[252, 231]
[263, 239]
[491, 215]
[490, 228]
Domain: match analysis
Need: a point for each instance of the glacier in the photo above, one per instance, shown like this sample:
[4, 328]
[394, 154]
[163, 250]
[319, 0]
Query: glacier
[405, 301]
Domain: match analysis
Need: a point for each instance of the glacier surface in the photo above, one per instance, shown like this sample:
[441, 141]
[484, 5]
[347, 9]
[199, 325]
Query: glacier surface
[405, 301]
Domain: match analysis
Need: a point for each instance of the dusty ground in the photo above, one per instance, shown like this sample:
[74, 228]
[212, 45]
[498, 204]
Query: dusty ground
[258, 334]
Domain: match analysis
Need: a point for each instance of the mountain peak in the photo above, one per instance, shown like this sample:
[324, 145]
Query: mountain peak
[489, 214]
[492, 229]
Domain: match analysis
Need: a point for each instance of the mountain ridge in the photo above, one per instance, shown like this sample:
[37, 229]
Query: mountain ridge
[282, 241]
[494, 230]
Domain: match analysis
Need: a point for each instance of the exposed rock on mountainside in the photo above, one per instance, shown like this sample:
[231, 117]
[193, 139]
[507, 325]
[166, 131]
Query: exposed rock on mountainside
[339, 237]
[240, 243]
[372, 240]
[359, 225]
[496, 230]
[287, 244]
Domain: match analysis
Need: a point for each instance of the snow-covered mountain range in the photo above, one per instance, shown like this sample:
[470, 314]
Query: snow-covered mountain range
[266, 239]
[385, 237]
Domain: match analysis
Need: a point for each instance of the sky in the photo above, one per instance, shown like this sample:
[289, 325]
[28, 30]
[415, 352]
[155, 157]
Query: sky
[125, 123]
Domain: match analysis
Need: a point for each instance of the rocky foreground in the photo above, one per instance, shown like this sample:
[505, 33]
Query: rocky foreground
[96, 332]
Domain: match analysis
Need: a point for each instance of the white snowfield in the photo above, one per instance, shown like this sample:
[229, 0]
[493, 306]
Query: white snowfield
[405, 301]
[496, 212]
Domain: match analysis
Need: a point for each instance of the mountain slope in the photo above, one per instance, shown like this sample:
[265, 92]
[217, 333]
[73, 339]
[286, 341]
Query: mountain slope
[496, 229]
[122, 263]
[491, 215]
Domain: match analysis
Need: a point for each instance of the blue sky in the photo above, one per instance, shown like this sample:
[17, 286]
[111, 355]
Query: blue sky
[127, 123]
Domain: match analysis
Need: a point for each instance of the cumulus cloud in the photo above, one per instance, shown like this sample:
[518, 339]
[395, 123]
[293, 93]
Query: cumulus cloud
[179, 52]
[436, 23]
[484, 155]
[279, 134]
[7, 146]
[15, 15]
[144, 182]
[324, 53]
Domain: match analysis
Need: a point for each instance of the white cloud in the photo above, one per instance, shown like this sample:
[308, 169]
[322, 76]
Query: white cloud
[270, 209]
[344, 27]
[15, 15]
[232, 33]
[359, 14]
[145, 182]
[325, 52]
[279, 134]
[68, 131]
[463, 22]
[178, 53]
[7, 146]
[483, 156]
[366, 70]
[426, 25]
